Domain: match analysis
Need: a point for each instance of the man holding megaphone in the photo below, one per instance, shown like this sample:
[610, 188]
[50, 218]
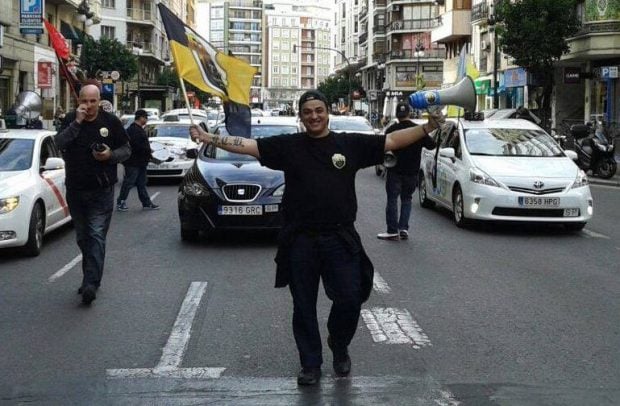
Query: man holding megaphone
[401, 178]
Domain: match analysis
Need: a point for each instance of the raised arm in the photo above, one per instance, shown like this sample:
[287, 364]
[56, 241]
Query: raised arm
[407, 136]
[230, 143]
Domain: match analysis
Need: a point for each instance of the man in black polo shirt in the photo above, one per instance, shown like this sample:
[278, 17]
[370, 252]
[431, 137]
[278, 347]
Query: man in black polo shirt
[92, 143]
[402, 178]
[319, 240]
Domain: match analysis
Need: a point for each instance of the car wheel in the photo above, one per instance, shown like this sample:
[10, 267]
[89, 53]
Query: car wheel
[378, 170]
[574, 226]
[189, 234]
[423, 197]
[458, 208]
[35, 232]
[606, 168]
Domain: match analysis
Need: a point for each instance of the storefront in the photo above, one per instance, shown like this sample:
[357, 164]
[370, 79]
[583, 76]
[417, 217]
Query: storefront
[604, 94]
[522, 89]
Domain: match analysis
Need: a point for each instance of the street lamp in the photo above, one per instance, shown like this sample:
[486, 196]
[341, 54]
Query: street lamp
[419, 52]
[138, 51]
[343, 57]
[84, 15]
[492, 22]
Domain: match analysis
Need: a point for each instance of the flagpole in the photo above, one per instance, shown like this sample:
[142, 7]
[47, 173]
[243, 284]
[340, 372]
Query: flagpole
[189, 110]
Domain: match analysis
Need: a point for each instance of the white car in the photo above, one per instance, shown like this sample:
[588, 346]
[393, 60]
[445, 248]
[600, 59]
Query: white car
[169, 141]
[351, 124]
[504, 170]
[32, 188]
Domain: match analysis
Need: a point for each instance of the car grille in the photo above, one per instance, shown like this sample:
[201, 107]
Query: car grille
[165, 172]
[535, 191]
[241, 192]
[516, 212]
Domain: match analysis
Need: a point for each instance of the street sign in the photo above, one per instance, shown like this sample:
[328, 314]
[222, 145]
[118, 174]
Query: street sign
[109, 76]
[30, 14]
[609, 72]
[115, 75]
[107, 88]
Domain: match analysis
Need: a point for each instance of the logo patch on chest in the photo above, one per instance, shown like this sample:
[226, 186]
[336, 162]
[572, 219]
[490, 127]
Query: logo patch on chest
[339, 161]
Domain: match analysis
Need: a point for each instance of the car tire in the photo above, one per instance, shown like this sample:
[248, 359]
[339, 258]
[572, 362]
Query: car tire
[189, 234]
[574, 226]
[606, 168]
[422, 194]
[36, 229]
[458, 208]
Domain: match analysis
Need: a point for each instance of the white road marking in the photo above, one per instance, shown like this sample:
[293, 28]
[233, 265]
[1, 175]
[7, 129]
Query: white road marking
[65, 268]
[154, 196]
[394, 326]
[592, 234]
[380, 285]
[447, 399]
[174, 350]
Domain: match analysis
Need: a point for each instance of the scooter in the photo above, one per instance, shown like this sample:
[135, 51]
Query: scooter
[595, 151]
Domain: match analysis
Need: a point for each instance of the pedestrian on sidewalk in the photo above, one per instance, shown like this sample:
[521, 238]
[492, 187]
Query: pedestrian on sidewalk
[135, 166]
[402, 179]
[319, 240]
[93, 142]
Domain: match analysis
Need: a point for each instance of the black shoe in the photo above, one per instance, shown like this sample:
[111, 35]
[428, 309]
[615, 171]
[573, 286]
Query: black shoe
[88, 294]
[342, 367]
[81, 289]
[309, 376]
[404, 234]
[151, 206]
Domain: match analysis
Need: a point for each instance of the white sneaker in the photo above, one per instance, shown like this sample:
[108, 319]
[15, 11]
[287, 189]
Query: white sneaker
[388, 236]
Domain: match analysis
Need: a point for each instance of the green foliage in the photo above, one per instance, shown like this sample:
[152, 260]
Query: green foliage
[106, 55]
[337, 87]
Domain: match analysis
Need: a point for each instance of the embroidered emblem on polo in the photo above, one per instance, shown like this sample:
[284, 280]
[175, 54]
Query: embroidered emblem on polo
[339, 161]
[103, 131]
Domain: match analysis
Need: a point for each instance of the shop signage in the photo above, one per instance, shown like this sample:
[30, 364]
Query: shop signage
[44, 75]
[482, 86]
[572, 75]
[609, 72]
[30, 16]
[515, 77]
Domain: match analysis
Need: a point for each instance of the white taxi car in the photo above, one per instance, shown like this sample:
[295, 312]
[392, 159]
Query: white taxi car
[169, 141]
[504, 170]
[32, 188]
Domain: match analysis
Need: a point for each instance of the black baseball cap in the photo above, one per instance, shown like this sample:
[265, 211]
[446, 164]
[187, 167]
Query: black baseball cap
[141, 113]
[403, 110]
[312, 95]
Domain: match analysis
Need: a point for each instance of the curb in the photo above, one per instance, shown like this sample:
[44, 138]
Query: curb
[605, 182]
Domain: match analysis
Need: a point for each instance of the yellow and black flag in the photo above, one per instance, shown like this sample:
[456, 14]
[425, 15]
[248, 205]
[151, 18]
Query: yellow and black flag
[212, 71]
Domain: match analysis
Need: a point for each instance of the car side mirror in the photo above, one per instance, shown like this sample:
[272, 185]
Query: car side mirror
[191, 153]
[53, 163]
[571, 154]
[447, 153]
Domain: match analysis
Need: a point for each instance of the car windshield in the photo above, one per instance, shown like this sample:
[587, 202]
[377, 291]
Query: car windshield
[510, 142]
[214, 115]
[15, 154]
[352, 125]
[258, 131]
[177, 131]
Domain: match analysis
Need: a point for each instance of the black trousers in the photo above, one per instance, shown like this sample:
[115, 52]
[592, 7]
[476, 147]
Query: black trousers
[323, 256]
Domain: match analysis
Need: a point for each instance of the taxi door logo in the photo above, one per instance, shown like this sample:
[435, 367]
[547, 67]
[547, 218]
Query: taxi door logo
[339, 161]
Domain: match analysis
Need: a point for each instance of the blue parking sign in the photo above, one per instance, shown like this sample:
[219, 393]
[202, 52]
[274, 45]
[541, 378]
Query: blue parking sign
[107, 88]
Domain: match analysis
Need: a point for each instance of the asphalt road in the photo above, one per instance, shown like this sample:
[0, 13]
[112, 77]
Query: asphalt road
[493, 315]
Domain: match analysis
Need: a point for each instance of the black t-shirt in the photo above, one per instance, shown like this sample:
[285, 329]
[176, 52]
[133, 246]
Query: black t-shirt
[408, 158]
[83, 171]
[140, 146]
[320, 173]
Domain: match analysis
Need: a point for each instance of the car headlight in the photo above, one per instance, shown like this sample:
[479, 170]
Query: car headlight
[8, 204]
[581, 180]
[479, 176]
[279, 191]
[195, 189]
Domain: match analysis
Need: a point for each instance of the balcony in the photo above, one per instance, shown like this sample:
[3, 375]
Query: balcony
[479, 12]
[140, 15]
[380, 3]
[412, 25]
[595, 40]
[378, 29]
[409, 54]
[363, 37]
[147, 47]
[455, 24]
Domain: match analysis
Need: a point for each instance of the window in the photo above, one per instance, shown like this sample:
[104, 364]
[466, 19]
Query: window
[108, 31]
[276, 58]
[284, 58]
[275, 69]
[285, 69]
[276, 32]
[108, 4]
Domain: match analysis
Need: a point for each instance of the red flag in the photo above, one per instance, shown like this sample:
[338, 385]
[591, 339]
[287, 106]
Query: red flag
[59, 43]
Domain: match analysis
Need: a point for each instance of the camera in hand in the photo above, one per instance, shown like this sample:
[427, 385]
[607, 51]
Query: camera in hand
[98, 147]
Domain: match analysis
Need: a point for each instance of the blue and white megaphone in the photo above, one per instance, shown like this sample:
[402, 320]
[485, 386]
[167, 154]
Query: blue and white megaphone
[463, 94]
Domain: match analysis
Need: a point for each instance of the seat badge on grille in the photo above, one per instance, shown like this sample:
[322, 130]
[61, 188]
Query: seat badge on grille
[339, 161]
[538, 184]
[241, 192]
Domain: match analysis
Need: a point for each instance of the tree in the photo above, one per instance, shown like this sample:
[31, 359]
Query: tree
[337, 87]
[534, 33]
[107, 54]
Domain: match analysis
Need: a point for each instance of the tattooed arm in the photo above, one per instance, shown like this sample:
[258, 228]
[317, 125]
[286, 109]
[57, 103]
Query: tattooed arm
[229, 143]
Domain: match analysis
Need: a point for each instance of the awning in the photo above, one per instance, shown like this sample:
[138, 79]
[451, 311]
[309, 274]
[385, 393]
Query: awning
[70, 32]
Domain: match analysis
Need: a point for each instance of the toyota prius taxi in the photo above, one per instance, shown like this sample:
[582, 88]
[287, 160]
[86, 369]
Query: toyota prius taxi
[504, 170]
[32, 188]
